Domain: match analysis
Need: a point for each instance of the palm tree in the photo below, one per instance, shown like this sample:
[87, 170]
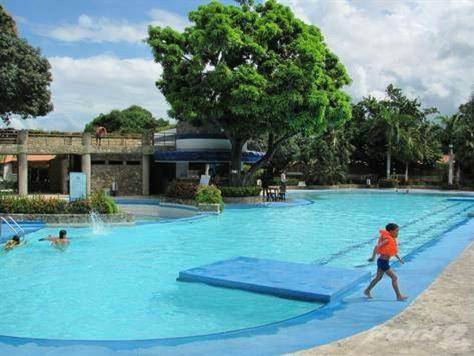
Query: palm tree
[388, 125]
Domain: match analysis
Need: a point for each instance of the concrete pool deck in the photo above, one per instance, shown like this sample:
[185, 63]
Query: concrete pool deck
[439, 322]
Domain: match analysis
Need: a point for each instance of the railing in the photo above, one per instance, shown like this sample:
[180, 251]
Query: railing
[7, 137]
[19, 233]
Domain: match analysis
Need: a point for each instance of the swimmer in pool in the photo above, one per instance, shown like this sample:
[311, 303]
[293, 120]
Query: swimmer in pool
[61, 241]
[12, 243]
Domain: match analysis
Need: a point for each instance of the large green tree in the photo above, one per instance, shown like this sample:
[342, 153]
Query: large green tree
[252, 70]
[134, 119]
[24, 75]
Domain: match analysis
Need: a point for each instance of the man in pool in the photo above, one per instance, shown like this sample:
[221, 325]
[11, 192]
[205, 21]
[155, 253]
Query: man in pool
[12, 243]
[61, 241]
[386, 247]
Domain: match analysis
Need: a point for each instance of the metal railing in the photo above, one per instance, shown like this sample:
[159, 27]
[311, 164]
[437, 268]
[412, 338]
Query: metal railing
[20, 232]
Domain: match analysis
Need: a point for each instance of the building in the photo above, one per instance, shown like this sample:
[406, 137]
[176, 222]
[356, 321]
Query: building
[188, 152]
[128, 164]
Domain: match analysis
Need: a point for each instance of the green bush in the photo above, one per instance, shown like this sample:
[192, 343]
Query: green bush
[209, 195]
[182, 190]
[245, 191]
[102, 203]
[80, 206]
[99, 202]
[388, 183]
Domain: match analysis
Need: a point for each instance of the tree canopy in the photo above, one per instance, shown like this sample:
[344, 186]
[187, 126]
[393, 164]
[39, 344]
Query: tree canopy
[24, 75]
[250, 70]
[394, 127]
[134, 119]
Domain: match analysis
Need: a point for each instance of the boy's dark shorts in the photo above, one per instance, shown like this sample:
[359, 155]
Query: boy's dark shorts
[383, 264]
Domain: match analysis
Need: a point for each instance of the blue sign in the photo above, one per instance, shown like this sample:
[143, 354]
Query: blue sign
[77, 186]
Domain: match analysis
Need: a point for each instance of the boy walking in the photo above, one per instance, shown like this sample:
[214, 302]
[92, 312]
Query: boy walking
[386, 247]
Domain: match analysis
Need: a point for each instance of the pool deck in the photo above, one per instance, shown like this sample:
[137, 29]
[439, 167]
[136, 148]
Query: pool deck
[439, 322]
[349, 315]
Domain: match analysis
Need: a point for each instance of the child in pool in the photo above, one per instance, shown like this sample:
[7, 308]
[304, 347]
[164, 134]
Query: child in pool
[12, 243]
[386, 247]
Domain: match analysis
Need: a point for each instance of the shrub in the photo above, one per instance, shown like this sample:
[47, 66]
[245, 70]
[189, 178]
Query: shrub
[388, 183]
[80, 206]
[209, 195]
[182, 190]
[102, 203]
[41, 205]
[245, 191]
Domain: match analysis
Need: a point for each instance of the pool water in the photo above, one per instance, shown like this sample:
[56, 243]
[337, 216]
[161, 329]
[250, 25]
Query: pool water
[121, 284]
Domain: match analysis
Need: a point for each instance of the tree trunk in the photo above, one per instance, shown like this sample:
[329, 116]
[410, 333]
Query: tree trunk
[389, 162]
[406, 171]
[235, 173]
[272, 148]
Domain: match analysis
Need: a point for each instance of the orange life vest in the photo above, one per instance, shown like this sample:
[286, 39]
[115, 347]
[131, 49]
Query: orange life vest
[389, 247]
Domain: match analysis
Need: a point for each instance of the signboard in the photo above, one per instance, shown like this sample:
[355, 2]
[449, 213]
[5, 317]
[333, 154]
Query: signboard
[77, 186]
[204, 179]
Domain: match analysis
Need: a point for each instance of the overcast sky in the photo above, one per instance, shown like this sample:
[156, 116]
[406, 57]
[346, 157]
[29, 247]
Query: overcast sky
[99, 61]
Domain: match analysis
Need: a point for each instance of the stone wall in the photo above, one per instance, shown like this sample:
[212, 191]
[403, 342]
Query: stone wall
[126, 170]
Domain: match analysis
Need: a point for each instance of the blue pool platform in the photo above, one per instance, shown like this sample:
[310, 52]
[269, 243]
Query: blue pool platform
[282, 279]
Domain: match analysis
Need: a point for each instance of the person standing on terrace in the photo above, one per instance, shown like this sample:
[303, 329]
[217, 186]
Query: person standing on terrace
[100, 133]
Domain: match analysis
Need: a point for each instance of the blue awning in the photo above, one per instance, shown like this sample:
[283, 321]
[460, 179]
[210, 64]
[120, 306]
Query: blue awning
[204, 156]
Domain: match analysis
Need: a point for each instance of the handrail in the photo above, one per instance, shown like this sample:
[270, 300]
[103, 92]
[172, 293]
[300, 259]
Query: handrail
[8, 224]
[16, 224]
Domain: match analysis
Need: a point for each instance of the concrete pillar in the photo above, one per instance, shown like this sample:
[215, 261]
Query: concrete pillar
[146, 174]
[64, 176]
[206, 170]
[86, 160]
[22, 160]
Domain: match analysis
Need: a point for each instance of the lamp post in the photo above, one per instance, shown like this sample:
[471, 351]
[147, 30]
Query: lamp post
[451, 165]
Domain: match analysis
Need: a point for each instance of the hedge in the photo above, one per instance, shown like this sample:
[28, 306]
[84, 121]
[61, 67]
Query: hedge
[182, 190]
[388, 183]
[245, 191]
[98, 202]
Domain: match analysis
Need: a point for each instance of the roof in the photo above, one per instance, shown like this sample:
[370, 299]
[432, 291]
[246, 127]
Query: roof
[205, 156]
[31, 158]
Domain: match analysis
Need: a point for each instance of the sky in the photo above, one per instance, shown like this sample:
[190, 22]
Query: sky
[100, 62]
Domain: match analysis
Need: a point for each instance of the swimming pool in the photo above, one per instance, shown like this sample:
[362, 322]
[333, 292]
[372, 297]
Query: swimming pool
[120, 285]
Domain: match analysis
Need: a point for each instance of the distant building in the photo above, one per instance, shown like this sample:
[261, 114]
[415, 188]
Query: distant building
[188, 152]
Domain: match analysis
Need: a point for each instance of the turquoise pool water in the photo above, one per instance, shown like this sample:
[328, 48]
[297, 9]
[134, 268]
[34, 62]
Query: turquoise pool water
[121, 284]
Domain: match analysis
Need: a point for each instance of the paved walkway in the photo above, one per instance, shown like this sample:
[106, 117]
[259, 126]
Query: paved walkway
[439, 322]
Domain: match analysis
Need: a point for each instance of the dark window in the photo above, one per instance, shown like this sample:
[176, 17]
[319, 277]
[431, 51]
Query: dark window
[115, 163]
[133, 163]
[101, 162]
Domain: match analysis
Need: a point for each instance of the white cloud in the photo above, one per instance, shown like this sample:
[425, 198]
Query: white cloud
[84, 88]
[425, 47]
[104, 29]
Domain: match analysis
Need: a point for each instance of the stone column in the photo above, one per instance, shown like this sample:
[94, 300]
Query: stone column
[146, 174]
[86, 160]
[22, 160]
[64, 164]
